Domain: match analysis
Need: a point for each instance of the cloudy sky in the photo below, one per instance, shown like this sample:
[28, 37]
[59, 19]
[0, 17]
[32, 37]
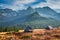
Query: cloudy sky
[23, 4]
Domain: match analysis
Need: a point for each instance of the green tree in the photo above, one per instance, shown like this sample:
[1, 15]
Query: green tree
[1, 29]
[6, 29]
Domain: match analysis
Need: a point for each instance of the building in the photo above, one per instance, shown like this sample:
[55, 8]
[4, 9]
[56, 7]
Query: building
[28, 29]
[49, 27]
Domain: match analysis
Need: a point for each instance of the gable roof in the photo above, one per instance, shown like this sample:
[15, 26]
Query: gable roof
[28, 28]
[49, 27]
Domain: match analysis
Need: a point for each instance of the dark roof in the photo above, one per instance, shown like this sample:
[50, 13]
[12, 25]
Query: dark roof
[49, 27]
[27, 29]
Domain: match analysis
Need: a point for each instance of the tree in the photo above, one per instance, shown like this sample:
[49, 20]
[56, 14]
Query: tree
[6, 29]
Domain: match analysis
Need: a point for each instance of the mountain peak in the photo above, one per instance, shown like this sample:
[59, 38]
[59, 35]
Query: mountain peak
[35, 14]
[46, 7]
[29, 8]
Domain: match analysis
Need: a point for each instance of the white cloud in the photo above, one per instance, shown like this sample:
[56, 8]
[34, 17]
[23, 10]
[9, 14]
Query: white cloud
[18, 4]
[54, 4]
[42, 4]
[24, 1]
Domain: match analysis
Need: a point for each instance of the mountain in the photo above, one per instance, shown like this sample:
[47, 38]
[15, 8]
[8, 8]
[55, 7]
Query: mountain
[8, 15]
[35, 16]
[2, 17]
[8, 12]
[37, 21]
[57, 10]
[29, 8]
[28, 11]
[47, 12]
[38, 17]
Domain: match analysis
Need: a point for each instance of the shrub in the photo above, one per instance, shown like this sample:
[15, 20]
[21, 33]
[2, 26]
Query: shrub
[25, 37]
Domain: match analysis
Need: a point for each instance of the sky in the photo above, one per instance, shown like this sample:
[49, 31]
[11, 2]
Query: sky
[23, 4]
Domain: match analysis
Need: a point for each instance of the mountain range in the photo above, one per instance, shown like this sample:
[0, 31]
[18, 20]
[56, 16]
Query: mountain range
[36, 18]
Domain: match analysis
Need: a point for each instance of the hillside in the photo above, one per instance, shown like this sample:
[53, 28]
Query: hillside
[36, 19]
[37, 34]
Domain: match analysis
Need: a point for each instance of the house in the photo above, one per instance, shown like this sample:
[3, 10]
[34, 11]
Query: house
[28, 29]
[49, 27]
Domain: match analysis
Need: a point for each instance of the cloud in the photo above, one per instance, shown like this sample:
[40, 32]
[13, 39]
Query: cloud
[20, 4]
[23, 4]
[17, 4]
[42, 4]
[24, 1]
[54, 4]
